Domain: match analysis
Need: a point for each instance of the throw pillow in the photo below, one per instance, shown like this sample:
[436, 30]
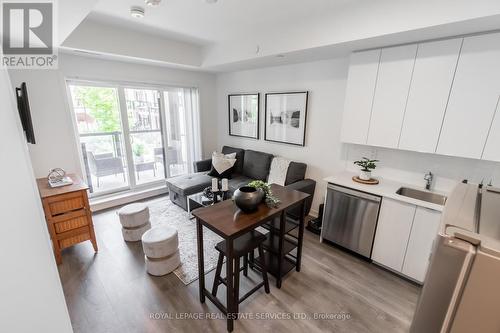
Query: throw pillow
[222, 165]
[278, 171]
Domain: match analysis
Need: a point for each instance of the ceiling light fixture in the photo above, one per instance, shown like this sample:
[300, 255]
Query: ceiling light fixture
[210, 1]
[152, 3]
[137, 12]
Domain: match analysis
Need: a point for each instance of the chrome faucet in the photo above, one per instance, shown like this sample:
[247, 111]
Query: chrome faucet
[428, 178]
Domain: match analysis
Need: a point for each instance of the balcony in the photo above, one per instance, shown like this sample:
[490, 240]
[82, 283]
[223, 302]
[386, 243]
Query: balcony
[106, 163]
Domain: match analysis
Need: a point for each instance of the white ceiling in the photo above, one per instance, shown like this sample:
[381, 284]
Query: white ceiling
[240, 34]
[202, 23]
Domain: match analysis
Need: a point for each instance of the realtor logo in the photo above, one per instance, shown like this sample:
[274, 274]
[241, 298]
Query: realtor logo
[28, 35]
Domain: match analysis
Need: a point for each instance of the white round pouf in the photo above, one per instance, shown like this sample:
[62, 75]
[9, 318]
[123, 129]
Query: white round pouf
[160, 246]
[135, 234]
[134, 219]
[163, 266]
[134, 215]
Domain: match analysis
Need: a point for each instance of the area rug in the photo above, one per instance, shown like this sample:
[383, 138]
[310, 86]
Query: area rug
[164, 212]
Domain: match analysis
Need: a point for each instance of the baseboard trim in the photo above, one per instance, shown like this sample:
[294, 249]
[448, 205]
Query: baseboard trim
[124, 198]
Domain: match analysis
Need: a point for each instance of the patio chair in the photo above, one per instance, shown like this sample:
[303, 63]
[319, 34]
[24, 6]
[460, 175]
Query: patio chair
[172, 156]
[102, 165]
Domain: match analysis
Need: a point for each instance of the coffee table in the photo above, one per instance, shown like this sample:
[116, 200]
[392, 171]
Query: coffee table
[198, 200]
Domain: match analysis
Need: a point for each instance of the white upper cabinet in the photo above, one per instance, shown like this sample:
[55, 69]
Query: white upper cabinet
[430, 87]
[473, 98]
[359, 96]
[423, 232]
[492, 148]
[391, 94]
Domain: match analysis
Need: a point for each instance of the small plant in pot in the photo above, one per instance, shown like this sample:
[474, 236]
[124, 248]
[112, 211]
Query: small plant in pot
[367, 165]
[138, 151]
[269, 198]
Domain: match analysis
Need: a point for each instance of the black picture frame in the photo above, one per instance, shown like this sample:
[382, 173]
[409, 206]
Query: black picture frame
[303, 143]
[229, 109]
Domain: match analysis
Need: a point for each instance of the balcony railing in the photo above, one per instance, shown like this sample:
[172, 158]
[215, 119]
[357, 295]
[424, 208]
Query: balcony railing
[105, 161]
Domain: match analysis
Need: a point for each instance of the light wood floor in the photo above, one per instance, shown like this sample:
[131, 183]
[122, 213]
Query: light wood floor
[111, 292]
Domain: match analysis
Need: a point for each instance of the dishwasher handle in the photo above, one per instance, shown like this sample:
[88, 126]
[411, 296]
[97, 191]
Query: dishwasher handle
[354, 193]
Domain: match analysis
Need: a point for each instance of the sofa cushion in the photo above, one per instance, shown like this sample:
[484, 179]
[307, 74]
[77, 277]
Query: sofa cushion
[189, 184]
[278, 171]
[222, 165]
[256, 164]
[238, 181]
[240, 157]
[296, 172]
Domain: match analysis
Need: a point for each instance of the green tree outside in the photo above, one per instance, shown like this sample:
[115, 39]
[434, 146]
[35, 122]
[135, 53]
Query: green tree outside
[102, 105]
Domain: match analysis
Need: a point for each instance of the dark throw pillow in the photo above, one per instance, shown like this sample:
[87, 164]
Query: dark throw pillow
[222, 165]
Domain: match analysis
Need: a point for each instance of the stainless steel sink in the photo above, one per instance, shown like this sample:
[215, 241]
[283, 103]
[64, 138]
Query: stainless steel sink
[431, 197]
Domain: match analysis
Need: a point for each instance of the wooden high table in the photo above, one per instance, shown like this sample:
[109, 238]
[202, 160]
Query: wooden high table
[227, 221]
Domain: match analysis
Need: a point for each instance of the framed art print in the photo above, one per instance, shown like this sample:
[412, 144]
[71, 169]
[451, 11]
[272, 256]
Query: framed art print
[286, 115]
[244, 115]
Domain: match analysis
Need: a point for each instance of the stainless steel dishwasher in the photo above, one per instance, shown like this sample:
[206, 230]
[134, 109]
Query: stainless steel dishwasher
[350, 218]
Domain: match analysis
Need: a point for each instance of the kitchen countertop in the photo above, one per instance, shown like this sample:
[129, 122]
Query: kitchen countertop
[386, 188]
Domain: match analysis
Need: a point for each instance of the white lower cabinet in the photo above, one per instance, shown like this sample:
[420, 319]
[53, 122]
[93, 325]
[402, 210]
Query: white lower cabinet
[423, 232]
[393, 231]
[404, 237]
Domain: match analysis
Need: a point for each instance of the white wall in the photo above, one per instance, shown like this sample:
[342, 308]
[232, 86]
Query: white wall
[356, 23]
[56, 145]
[325, 81]
[324, 153]
[109, 39]
[31, 296]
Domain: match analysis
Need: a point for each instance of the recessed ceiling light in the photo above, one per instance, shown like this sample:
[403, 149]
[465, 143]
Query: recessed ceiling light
[210, 1]
[137, 12]
[152, 3]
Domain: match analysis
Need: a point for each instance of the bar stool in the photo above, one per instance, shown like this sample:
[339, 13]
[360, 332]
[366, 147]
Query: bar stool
[243, 246]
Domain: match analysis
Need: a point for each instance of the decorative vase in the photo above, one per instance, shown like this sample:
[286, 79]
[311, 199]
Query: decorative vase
[365, 175]
[248, 198]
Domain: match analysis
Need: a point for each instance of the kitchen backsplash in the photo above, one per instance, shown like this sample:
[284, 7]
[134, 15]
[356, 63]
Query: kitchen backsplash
[410, 167]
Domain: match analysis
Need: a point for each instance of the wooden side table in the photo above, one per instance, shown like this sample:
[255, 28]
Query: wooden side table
[68, 215]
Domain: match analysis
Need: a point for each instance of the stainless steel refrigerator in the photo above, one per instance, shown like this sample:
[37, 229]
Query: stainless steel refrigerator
[462, 287]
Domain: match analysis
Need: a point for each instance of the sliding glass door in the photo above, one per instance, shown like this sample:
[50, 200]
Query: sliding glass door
[99, 124]
[145, 134]
[134, 137]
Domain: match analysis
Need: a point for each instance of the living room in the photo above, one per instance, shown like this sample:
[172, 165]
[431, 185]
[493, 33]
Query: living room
[333, 150]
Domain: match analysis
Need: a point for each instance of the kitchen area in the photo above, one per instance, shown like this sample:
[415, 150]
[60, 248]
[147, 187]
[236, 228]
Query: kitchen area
[448, 243]
[391, 223]
[428, 113]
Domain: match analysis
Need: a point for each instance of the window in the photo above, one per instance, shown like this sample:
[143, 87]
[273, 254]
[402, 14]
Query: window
[133, 137]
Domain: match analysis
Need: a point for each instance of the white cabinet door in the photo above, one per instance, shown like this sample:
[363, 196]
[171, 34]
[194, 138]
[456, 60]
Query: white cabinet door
[423, 232]
[391, 94]
[473, 98]
[393, 231]
[430, 87]
[492, 148]
[359, 96]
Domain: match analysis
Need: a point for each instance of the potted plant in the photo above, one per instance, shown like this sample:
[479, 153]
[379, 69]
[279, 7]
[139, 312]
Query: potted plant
[138, 150]
[270, 199]
[367, 166]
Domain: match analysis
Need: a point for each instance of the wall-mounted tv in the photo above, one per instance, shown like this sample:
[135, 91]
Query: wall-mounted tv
[23, 106]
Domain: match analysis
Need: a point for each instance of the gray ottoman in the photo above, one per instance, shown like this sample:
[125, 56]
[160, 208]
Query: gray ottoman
[182, 186]
[134, 219]
[161, 252]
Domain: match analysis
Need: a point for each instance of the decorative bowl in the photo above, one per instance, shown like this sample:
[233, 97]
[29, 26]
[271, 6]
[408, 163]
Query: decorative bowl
[248, 198]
